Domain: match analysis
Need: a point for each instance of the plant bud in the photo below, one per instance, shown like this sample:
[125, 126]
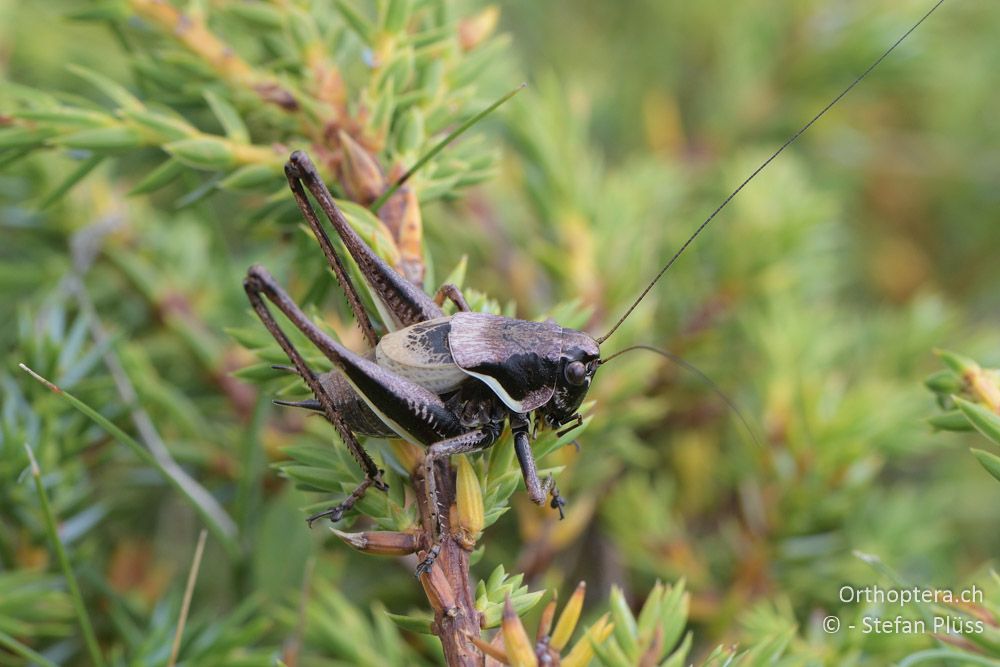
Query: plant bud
[360, 174]
[545, 622]
[410, 242]
[439, 591]
[944, 382]
[381, 542]
[984, 387]
[611, 654]
[469, 503]
[489, 650]
[952, 420]
[957, 362]
[474, 30]
[583, 651]
[520, 652]
[409, 455]
[401, 214]
[569, 617]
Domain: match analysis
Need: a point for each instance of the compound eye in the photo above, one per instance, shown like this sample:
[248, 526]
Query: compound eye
[576, 373]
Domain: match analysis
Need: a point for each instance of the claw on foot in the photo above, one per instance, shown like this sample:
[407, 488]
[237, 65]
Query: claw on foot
[335, 513]
[425, 565]
[557, 500]
[557, 504]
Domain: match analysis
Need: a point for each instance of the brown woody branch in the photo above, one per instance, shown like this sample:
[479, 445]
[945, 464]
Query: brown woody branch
[448, 585]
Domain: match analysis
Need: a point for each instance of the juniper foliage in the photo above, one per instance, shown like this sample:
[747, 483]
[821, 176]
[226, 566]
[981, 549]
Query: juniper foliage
[141, 145]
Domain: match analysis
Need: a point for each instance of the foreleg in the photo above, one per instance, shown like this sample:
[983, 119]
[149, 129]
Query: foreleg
[537, 490]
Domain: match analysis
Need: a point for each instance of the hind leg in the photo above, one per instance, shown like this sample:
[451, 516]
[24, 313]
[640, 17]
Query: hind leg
[408, 409]
[399, 302]
[336, 513]
[258, 283]
[346, 284]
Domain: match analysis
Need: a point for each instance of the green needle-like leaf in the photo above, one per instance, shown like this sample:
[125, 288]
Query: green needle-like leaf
[986, 421]
[26, 652]
[989, 461]
[86, 627]
[75, 177]
[219, 523]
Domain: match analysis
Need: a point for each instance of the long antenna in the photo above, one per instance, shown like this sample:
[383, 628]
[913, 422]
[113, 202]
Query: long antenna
[691, 368]
[759, 169]
[440, 146]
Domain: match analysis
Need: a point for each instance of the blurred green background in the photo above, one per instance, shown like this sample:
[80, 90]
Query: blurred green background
[814, 301]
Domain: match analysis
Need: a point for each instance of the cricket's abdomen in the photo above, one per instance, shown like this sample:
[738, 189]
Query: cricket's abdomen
[421, 353]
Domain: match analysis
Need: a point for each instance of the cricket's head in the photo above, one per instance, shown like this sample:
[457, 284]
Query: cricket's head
[579, 359]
